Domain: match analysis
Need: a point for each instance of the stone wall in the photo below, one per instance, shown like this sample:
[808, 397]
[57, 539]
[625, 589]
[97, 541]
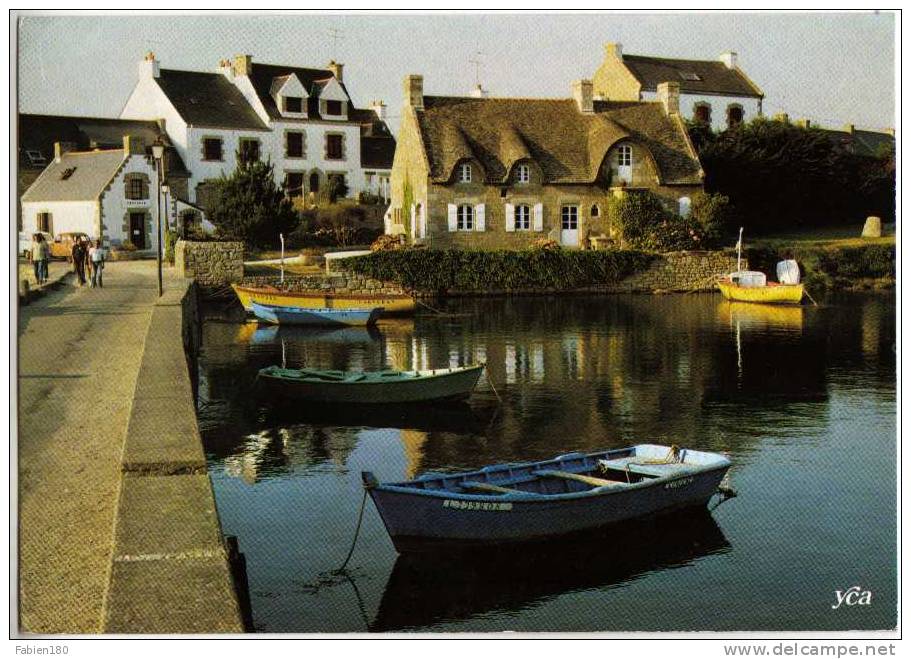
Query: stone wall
[680, 271]
[343, 283]
[210, 263]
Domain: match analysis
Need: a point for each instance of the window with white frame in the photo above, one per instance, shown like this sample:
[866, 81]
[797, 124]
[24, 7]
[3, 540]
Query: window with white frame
[625, 156]
[523, 174]
[569, 217]
[465, 173]
[465, 217]
[522, 217]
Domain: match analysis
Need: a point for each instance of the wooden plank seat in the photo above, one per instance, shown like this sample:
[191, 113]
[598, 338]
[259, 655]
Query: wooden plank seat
[489, 487]
[581, 478]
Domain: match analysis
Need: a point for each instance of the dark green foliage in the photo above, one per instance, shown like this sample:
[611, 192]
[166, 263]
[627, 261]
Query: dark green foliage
[170, 240]
[714, 215]
[645, 223]
[248, 205]
[337, 188]
[782, 176]
[475, 270]
[830, 267]
[341, 225]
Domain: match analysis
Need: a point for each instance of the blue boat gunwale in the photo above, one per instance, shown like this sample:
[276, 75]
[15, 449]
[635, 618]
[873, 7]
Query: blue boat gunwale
[338, 311]
[408, 487]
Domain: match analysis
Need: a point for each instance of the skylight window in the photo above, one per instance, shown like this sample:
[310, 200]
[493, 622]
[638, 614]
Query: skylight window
[690, 76]
[68, 172]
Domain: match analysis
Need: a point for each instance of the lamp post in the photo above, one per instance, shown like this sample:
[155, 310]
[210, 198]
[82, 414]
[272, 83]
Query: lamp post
[158, 154]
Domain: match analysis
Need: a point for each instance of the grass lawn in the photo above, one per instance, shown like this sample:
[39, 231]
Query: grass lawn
[840, 236]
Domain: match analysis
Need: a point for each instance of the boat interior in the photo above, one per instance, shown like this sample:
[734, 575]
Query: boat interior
[318, 375]
[571, 473]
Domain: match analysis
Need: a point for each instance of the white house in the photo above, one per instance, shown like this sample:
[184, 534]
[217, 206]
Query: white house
[716, 92]
[302, 119]
[110, 194]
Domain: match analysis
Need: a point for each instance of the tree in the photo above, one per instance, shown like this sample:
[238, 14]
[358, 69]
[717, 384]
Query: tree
[248, 205]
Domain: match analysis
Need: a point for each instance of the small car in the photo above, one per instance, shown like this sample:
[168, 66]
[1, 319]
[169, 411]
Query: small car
[62, 245]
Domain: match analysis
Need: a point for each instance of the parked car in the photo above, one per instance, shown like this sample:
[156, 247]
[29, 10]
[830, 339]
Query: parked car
[62, 245]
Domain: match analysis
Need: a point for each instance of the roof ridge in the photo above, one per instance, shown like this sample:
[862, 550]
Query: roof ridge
[676, 59]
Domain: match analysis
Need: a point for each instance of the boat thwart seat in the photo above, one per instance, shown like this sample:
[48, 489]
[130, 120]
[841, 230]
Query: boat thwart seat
[581, 478]
[638, 465]
[489, 487]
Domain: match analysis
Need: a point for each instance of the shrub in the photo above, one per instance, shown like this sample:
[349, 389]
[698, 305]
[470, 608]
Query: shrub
[337, 188]
[545, 244]
[386, 242]
[170, 240]
[645, 223]
[714, 216]
[369, 199]
[248, 205]
[453, 269]
[127, 246]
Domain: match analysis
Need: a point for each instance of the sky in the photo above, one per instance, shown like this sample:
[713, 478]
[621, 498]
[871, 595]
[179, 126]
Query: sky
[831, 68]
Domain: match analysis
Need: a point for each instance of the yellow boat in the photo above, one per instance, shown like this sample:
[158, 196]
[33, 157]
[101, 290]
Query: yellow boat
[770, 293]
[392, 304]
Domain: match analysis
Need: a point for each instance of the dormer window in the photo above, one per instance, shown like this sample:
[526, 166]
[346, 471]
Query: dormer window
[465, 173]
[523, 174]
[333, 108]
[293, 104]
[690, 76]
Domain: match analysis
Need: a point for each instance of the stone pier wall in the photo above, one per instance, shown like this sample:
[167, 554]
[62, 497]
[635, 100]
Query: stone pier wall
[680, 271]
[210, 263]
[342, 283]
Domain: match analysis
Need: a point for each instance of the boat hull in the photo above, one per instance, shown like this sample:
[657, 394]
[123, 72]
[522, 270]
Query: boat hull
[455, 385]
[428, 520]
[316, 317]
[768, 294]
[392, 304]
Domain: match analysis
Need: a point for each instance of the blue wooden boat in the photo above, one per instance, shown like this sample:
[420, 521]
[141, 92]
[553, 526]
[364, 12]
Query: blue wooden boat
[279, 315]
[575, 492]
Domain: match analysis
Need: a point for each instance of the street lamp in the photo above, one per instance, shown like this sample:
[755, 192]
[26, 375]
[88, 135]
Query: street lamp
[158, 154]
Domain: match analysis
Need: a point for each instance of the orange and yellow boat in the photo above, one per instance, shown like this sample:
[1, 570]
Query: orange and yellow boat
[391, 303]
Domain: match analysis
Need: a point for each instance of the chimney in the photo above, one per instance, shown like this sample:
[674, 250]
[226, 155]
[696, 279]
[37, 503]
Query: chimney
[890, 131]
[802, 123]
[414, 91]
[337, 69]
[669, 95]
[243, 65]
[379, 108]
[849, 129]
[225, 68]
[582, 94]
[781, 116]
[614, 50]
[60, 148]
[729, 58]
[133, 145]
[148, 67]
[478, 92]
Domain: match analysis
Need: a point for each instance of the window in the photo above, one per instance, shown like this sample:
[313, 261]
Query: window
[44, 222]
[523, 174]
[625, 156]
[68, 172]
[465, 218]
[735, 116]
[690, 76]
[334, 147]
[595, 211]
[294, 184]
[35, 158]
[465, 173]
[211, 148]
[334, 108]
[136, 188]
[294, 145]
[702, 112]
[293, 103]
[683, 206]
[249, 150]
[569, 217]
[522, 215]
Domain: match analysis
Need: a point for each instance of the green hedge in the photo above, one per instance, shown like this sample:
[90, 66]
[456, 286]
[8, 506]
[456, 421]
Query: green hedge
[471, 270]
[830, 267]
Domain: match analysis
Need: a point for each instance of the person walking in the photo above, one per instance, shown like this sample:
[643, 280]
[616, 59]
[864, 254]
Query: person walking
[41, 252]
[96, 256]
[80, 255]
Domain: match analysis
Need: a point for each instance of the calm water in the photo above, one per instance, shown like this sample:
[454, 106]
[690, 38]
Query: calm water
[803, 399]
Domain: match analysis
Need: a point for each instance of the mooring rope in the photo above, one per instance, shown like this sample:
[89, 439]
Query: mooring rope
[490, 382]
[357, 530]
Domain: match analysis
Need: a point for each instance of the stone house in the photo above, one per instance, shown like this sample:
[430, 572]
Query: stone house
[302, 119]
[715, 92]
[494, 173]
[107, 193]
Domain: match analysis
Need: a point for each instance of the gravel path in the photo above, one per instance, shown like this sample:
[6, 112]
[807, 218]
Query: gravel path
[79, 354]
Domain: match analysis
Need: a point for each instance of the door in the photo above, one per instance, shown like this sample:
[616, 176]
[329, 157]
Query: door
[569, 226]
[138, 230]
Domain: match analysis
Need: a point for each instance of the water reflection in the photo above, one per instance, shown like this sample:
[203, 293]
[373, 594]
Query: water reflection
[424, 590]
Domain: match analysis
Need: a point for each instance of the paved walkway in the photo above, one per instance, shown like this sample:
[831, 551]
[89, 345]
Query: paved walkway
[55, 269]
[79, 355]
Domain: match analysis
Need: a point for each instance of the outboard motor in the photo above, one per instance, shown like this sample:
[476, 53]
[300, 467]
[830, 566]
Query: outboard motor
[788, 272]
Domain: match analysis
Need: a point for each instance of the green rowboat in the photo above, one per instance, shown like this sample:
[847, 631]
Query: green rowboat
[371, 387]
